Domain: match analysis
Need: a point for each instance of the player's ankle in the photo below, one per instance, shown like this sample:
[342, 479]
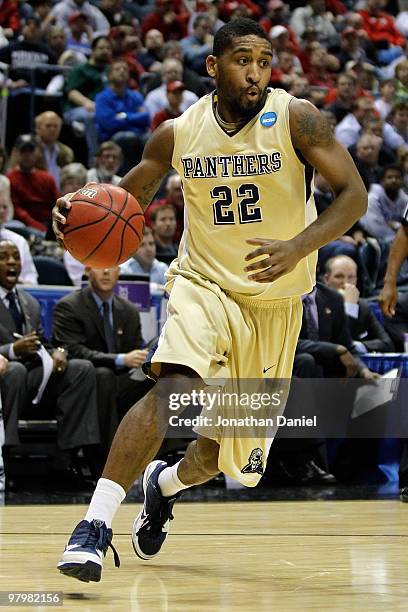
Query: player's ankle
[105, 501]
[169, 482]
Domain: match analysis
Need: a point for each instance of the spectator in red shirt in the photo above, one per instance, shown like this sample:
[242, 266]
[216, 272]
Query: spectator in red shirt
[125, 46]
[33, 191]
[9, 18]
[276, 15]
[229, 7]
[174, 91]
[322, 68]
[169, 18]
[380, 26]
[343, 96]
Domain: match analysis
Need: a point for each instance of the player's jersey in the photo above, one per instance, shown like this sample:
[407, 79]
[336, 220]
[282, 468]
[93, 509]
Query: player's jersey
[250, 185]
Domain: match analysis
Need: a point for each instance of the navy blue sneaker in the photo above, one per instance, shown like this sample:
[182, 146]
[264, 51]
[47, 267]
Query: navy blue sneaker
[83, 555]
[152, 524]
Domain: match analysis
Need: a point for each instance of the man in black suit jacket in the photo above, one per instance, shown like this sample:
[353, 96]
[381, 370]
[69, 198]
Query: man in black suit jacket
[366, 331]
[95, 324]
[70, 394]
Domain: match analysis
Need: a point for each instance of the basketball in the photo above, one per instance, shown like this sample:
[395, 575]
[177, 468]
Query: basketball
[104, 225]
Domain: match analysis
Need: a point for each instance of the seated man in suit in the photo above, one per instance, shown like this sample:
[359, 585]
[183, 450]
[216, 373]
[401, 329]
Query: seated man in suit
[70, 393]
[366, 331]
[93, 323]
[325, 349]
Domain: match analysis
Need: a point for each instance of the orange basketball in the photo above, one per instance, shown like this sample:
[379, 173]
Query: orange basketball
[104, 225]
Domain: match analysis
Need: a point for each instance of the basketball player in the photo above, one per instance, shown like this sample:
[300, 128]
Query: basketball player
[248, 252]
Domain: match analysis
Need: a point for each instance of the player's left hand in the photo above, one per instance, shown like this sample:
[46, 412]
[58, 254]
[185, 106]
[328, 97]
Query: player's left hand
[281, 259]
[62, 206]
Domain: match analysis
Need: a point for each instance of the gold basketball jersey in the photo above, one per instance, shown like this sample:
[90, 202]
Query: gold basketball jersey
[249, 185]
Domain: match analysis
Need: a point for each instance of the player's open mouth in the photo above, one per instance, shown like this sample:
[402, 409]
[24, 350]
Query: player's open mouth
[253, 93]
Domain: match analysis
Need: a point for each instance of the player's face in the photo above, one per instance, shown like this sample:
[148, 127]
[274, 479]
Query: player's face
[10, 265]
[104, 280]
[342, 273]
[242, 75]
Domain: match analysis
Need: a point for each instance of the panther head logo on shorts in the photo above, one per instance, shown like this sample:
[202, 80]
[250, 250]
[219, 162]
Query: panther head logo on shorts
[254, 465]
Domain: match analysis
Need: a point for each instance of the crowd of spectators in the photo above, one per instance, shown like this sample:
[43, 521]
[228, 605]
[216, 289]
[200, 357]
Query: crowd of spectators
[88, 82]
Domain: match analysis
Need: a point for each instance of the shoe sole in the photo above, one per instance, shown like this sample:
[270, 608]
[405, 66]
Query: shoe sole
[85, 570]
[136, 526]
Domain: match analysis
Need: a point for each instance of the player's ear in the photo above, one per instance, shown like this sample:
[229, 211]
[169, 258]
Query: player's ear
[211, 65]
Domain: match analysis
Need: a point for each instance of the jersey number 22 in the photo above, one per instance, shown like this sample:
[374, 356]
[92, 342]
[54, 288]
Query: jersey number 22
[248, 212]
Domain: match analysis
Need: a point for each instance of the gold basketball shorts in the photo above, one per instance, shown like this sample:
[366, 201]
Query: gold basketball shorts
[240, 345]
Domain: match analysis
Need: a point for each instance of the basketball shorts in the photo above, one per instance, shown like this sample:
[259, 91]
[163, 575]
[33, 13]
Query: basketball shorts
[240, 345]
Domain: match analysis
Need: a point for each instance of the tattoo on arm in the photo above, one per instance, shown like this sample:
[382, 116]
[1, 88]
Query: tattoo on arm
[147, 192]
[314, 130]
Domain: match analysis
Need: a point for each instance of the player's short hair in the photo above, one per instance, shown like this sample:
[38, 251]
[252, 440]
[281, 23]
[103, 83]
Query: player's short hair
[147, 231]
[233, 29]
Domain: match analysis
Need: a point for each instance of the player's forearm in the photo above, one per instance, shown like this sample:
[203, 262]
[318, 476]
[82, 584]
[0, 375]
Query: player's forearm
[398, 253]
[346, 209]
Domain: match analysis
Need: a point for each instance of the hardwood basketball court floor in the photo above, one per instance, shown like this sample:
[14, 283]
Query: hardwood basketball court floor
[238, 556]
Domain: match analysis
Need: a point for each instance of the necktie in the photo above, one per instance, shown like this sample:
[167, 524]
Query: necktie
[14, 311]
[107, 327]
[312, 326]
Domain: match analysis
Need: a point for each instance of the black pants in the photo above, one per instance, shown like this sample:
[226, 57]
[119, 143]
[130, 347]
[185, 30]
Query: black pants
[116, 392]
[69, 397]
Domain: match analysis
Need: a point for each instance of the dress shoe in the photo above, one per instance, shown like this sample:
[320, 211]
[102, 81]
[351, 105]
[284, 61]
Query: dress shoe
[309, 473]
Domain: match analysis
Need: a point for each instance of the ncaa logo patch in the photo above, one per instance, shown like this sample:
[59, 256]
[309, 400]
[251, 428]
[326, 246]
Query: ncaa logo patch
[268, 119]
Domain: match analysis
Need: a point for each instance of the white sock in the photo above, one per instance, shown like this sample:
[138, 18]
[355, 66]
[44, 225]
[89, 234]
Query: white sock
[169, 482]
[105, 501]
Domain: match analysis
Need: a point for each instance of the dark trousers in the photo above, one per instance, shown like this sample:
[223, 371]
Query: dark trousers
[69, 397]
[298, 450]
[117, 392]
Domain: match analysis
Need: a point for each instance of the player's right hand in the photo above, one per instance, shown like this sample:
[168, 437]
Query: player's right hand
[58, 218]
[136, 358]
[27, 345]
[388, 299]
